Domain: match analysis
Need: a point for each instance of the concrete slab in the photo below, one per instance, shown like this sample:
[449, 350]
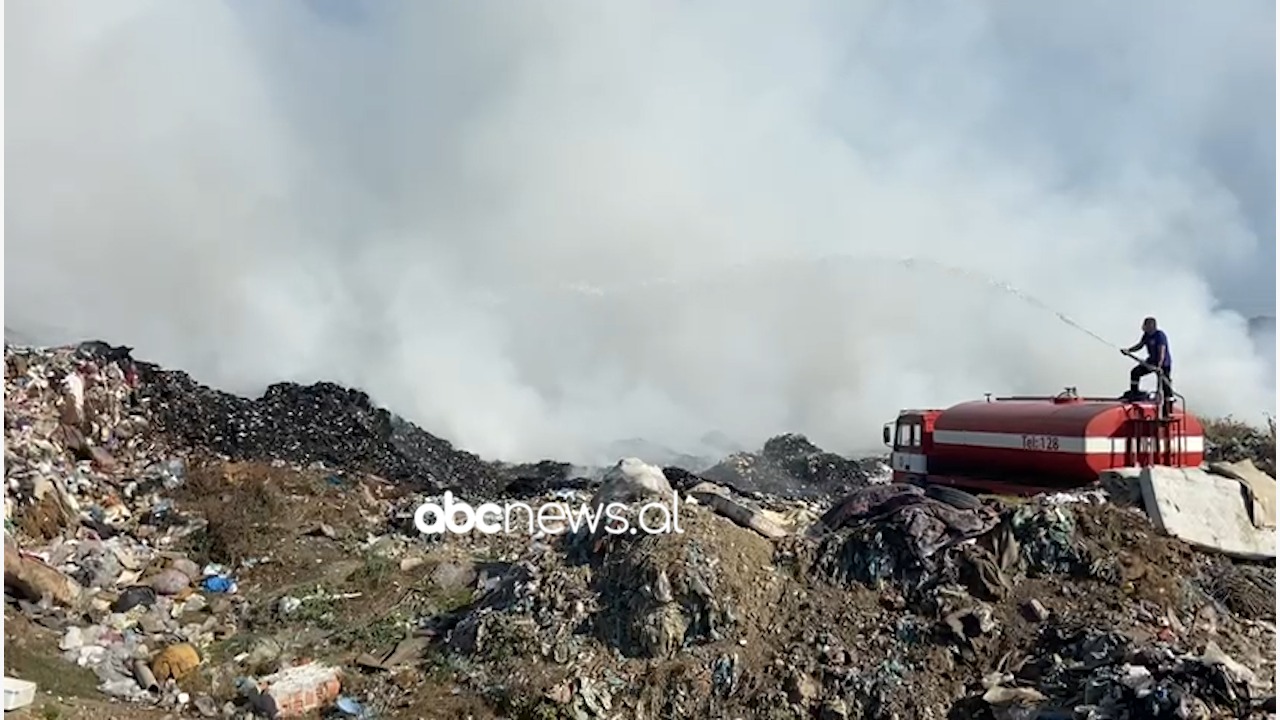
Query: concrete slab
[1205, 510]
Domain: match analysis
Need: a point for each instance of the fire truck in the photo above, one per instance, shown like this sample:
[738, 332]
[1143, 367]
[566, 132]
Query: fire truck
[1029, 445]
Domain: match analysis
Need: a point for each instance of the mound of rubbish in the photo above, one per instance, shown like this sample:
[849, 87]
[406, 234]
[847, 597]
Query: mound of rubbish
[1229, 440]
[322, 423]
[174, 550]
[790, 466]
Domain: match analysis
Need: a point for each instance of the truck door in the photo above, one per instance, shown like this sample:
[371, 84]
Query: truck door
[908, 451]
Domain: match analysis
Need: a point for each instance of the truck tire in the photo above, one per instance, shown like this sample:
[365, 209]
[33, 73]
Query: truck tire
[954, 497]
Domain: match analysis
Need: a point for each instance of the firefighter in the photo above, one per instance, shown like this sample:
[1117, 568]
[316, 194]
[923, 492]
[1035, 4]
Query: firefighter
[1158, 356]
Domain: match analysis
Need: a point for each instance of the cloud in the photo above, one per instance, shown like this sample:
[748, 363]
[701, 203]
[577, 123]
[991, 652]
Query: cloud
[540, 228]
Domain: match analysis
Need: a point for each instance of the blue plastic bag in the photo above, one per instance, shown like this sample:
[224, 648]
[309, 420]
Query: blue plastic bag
[219, 584]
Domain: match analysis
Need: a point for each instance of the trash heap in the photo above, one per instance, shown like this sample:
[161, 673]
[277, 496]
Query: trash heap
[88, 491]
[1232, 441]
[790, 466]
[319, 423]
[988, 611]
[70, 427]
[217, 556]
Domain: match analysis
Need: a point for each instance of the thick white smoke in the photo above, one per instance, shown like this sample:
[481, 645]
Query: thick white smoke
[537, 228]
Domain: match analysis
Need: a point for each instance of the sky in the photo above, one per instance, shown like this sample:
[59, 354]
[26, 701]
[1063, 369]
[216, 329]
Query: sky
[539, 228]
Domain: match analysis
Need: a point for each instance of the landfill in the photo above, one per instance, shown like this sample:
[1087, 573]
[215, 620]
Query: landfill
[176, 551]
[1231, 441]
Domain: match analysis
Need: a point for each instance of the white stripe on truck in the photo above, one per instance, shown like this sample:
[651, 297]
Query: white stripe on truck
[1053, 443]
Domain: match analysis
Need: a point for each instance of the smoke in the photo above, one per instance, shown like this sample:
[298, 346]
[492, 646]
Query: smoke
[1262, 329]
[537, 228]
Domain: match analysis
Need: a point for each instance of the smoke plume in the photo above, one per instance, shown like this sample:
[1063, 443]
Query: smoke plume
[538, 228]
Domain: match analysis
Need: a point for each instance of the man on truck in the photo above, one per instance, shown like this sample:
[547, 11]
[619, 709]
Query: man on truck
[1159, 360]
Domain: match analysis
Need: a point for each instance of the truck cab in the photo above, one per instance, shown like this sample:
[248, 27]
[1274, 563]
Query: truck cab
[911, 438]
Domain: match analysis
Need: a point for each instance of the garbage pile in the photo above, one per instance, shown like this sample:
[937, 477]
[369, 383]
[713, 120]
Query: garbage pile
[1108, 675]
[910, 529]
[71, 425]
[1232, 441]
[790, 466]
[87, 490]
[216, 556]
[319, 423]
[1028, 611]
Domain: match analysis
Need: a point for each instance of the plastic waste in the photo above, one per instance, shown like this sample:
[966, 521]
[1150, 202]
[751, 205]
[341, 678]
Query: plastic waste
[170, 582]
[288, 605]
[219, 584]
[138, 595]
[349, 707]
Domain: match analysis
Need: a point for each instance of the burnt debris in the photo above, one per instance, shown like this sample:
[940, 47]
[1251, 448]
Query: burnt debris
[303, 424]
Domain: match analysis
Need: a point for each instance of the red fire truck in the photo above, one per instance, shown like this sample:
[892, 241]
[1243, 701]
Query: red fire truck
[1029, 445]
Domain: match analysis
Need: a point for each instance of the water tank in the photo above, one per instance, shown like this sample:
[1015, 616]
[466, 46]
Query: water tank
[1055, 441]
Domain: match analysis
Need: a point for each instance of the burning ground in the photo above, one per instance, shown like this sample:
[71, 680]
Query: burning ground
[233, 547]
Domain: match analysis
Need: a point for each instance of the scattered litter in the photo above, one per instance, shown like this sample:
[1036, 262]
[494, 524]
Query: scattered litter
[219, 584]
[296, 691]
[349, 707]
[170, 582]
[175, 662]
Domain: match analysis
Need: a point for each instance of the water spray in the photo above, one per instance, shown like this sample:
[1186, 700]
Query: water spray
[1008, 288]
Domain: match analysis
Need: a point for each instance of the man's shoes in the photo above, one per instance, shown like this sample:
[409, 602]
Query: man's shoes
[1133, 396]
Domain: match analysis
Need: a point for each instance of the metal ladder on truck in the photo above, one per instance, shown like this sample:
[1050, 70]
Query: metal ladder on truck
[1157, 437]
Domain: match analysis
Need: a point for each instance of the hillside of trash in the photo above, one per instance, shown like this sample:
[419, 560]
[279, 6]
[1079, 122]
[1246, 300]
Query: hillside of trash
[175, 551]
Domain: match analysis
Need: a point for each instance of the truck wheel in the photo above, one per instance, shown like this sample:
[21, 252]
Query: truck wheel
[954, 497]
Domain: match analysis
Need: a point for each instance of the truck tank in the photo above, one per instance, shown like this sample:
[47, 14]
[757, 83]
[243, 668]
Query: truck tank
[1059, 441]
